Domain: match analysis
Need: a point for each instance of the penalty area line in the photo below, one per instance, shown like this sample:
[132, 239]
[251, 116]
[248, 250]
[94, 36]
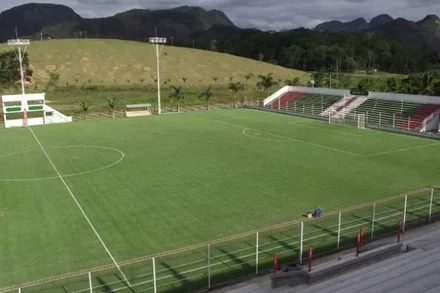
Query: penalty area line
[79, 206]
[292, 139]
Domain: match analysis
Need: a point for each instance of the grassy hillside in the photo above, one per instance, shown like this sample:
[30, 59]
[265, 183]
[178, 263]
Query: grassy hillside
[111, 62]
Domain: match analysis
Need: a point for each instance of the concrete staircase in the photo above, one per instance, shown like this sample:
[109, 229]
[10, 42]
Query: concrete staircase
[339, 105]
[350, 106]
[53, 116]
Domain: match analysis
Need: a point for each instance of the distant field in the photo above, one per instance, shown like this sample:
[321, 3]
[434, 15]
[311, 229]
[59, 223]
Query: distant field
[119, 62]
[164, 182]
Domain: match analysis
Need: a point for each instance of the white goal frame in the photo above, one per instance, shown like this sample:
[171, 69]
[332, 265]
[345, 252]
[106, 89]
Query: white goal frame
[361, 121]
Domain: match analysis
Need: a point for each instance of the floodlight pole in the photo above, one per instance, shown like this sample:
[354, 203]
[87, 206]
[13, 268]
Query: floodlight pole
[158, 44]
[19, 43]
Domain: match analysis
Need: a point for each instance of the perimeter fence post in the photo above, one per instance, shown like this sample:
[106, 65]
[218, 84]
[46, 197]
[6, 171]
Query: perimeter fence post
[373, 219]
[394, 120]
[380, 118]
[339, 228]
[430, 204]
[256, 252]
[404, 213]
[209, 266]
[301, 241]
[19, 290]
[154, 274]
[90, 282]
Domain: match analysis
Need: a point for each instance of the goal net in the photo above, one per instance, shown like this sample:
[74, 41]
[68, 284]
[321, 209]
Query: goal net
[361, 121]
[358, 120]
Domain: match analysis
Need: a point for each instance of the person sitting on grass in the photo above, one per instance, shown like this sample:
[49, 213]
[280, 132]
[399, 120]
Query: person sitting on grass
[317, 212]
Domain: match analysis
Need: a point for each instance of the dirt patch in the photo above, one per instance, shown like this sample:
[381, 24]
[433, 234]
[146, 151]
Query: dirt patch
[2, 211]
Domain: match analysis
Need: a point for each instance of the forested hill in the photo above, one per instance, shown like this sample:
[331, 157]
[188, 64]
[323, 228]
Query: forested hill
[398, 46]
[315, 50]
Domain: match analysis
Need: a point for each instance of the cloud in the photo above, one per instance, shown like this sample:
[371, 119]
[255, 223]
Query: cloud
[280, 14]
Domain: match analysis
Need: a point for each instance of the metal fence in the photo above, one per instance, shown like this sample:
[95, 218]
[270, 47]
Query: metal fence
[214, 263]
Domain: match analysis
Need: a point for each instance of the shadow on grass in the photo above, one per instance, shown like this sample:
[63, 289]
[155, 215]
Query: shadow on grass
[282, 243]
[105, 288]
[177, 275]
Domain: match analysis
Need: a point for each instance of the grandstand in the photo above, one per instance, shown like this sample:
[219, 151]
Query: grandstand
[408, 112]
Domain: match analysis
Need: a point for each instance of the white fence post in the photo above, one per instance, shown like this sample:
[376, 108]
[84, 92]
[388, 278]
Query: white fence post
[209, 266]
[430, 204]
[339, 228]
[380, 118]
[313, 107]
[373, 219]
[154, 275]
[294, 107]
[301, 240]
[256, 253]
[304, 108]
[409, 123]
[19, 290]
[404, 213]
[394, 120]
[90, 283]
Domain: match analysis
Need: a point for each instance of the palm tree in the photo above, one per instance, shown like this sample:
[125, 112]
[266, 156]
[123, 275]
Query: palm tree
[215, 78]
[292, 82]
[111, 103]
[424, 83]
[184, 79]
[236, 87]
[206, 94]
[266, 82]
[177, 93]
[85, 108]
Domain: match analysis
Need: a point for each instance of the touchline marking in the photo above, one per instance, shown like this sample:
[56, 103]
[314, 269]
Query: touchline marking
[79, 206]
[292, 139]
[402, 150]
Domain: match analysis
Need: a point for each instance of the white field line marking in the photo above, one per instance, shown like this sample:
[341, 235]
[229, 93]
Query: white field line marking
[66, 175]
[256, 137]
[323, 129]
[251, 254]
[292, 139]
[402, 150]
[79, 206]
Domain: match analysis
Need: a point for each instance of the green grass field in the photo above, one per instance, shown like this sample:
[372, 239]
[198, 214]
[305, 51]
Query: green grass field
[149, 185]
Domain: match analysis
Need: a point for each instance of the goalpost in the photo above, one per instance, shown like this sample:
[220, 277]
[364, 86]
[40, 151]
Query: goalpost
[361, 121]
[354, 119]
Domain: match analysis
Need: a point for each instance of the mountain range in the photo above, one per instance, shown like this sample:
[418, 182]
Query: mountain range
[60, 21]
[188, 23]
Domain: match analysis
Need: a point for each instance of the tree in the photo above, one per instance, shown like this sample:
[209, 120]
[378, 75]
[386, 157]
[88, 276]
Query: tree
[54, 77]
[266, 82]
[248, 76]
[236, 87]
[206, 95]
[214, 45]
[85, 108]
[215, 78]
[423, 84]
[177, 93]
[292, 82]
[10, 67]
[184, 79]
[111, 103]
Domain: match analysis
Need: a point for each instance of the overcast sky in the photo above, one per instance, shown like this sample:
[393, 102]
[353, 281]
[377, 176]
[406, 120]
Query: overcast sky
[283, 14]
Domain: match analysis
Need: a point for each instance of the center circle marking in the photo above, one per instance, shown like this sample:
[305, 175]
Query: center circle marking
[122, 155]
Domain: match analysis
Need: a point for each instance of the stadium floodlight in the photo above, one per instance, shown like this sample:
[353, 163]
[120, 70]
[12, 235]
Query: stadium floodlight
[19, 44]
[158, 44]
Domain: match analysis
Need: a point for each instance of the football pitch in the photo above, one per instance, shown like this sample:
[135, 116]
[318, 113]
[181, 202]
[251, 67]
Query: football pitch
[84, 195]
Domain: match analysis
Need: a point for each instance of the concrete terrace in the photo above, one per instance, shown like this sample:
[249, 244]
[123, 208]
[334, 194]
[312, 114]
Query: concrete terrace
[417, 271]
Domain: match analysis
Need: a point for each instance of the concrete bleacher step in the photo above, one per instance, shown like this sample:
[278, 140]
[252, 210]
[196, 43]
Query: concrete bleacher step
[402, 275]
[407, 260]
[425, 282]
